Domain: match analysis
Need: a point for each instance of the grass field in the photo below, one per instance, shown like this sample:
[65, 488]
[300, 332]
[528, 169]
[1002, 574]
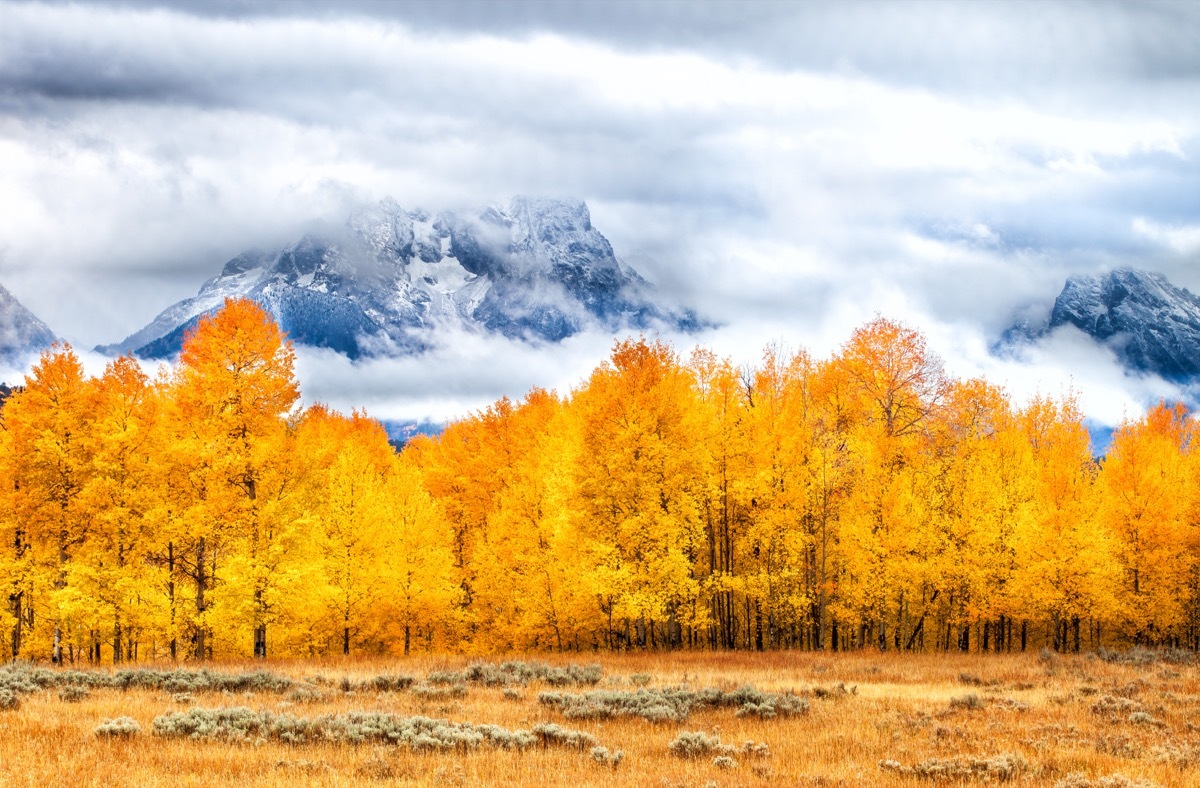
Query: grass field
[871, 719]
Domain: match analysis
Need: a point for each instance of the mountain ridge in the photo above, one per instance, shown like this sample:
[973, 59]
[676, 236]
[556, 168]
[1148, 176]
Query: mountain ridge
[1151, 325]
[535, 269]
[22, 334]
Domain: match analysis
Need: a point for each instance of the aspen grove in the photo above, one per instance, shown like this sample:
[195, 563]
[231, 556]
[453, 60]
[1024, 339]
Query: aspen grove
[868, 500]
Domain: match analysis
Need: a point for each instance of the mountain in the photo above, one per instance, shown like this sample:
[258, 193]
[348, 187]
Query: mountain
[1152, 325]
[22, 335]
[535, 269]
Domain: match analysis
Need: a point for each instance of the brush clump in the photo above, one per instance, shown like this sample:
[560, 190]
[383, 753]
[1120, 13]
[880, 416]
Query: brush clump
[518, 673]
[671, 704]
[417, 733]
[118, 728]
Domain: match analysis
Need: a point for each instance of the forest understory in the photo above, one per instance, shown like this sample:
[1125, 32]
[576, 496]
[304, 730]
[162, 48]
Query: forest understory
[667, 718]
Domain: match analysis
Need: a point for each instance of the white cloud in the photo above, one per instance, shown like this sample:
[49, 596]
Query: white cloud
[946, 166]
[1184, 239]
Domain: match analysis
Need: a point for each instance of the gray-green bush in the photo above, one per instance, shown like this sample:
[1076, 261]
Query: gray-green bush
[698, 744]
[553, 735]
[970, 701]
[670, 704]
[1000, 768]
[24, 678]
[428, 692]
[28, 678]
[602, 756]
[118, 728]
[417, 733]
[73, 693]
[515, 672]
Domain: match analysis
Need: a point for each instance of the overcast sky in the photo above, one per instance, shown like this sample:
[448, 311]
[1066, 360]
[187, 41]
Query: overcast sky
[787, 169]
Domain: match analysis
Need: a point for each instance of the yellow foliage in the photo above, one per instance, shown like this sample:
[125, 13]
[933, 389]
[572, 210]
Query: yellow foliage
[865, 500]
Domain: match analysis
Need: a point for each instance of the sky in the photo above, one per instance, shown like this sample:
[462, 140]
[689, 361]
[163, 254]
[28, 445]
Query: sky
[787, 169]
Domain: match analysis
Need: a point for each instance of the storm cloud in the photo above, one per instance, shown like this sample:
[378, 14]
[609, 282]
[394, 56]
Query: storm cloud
[786, 169]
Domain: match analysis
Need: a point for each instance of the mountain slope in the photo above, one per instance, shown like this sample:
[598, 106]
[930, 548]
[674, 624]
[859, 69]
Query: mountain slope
[535, 269]
[22, 334]
[1150, 324]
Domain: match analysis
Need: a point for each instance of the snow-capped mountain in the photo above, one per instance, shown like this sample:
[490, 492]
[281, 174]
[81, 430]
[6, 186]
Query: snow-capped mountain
[535, 269]
[22, 334]
[1152, 325]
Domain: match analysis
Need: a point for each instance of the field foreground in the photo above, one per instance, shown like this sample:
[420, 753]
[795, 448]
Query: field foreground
[845, 719]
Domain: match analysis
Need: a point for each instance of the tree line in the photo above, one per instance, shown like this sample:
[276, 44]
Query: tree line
[866, 500]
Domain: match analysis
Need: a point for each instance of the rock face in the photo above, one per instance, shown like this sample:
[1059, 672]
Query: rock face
[535, 269]
[22, 334]
[1152, 325]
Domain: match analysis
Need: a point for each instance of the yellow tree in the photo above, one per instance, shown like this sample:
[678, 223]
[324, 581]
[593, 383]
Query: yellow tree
[466, 469]
[1065, 559]
[724, 396]
[48, 468]
[422, 593]
[15, 559]
[114, 575]
[1148, 502]
[232, 394]
[639, 482]
[899, 385]
[530, 599]
[792, 482]
[347, 478]
[983, 492]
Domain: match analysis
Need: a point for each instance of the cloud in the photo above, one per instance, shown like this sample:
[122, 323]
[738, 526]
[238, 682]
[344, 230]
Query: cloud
[787, 169]
[1184, 240]
[463, 373]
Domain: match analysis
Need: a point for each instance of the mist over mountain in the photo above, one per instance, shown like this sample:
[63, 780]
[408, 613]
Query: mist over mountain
[534, 270]
[22, 334]
[1152, 326]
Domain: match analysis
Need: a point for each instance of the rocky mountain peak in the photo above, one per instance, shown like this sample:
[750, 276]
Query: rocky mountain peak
[534, 269]
[1150, 324]
[22, 334]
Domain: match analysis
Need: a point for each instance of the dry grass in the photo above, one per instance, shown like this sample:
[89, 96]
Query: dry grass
[872, 720]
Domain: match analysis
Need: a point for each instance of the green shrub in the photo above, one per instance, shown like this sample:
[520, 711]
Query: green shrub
[670, 704]
[307, 693]
[73, 693]
[417, 733]
[970, 701]
[999, 768]
[602, 756]
[26, 678]
[552, 735]
[515, 672]
[427, 692]
[119, 728]
[698, 744]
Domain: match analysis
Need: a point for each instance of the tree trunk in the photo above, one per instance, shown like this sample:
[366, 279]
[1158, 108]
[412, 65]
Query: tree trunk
[18, 615]
[200, 651]
[171, 597]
